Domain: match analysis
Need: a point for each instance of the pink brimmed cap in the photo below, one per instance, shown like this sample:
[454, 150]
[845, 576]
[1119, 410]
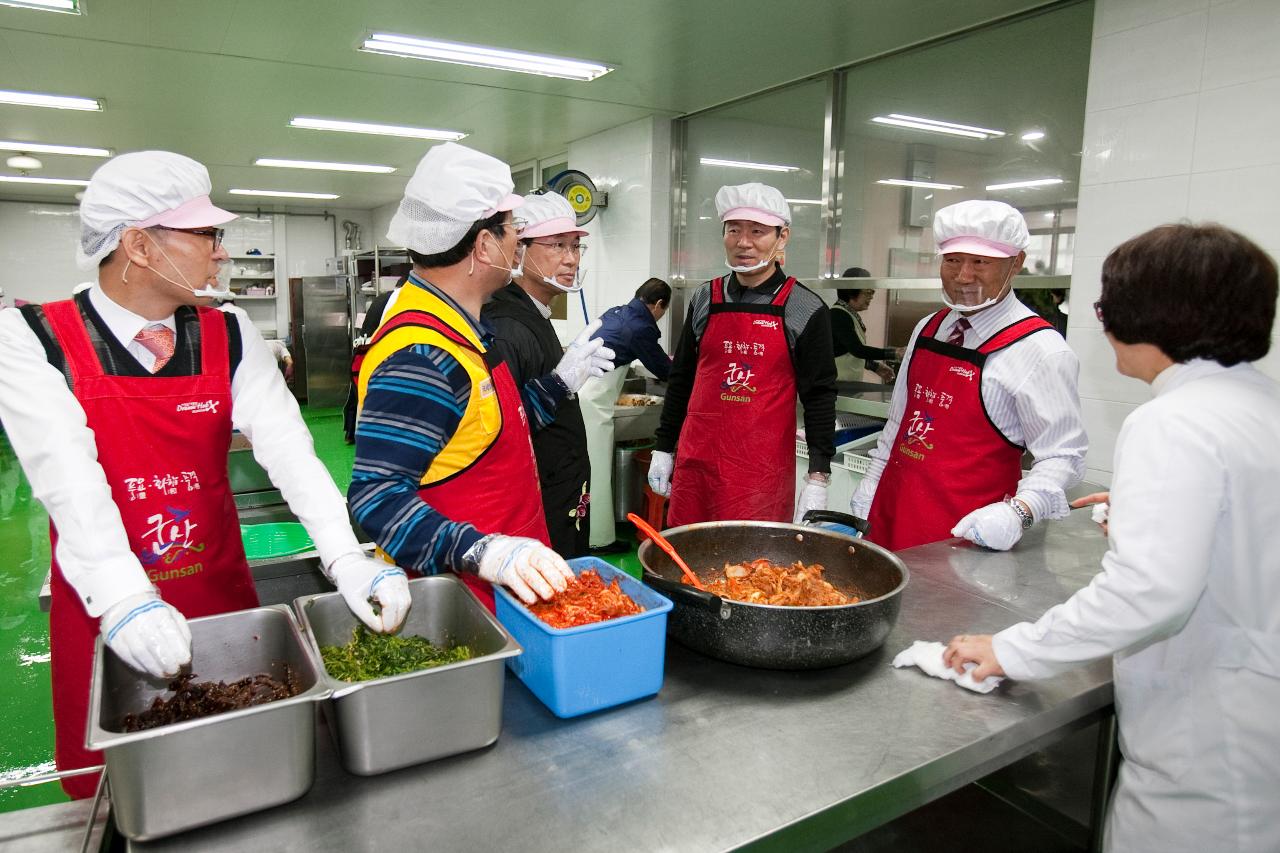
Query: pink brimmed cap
[547, 214]
[754, 203]
[991, 229]
[140, 190]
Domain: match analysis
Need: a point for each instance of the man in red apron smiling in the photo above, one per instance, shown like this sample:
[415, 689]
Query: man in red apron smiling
[984, 381]
[753, 342]
[120, 404]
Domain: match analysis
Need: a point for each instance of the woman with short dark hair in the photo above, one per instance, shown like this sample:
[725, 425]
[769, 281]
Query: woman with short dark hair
[849, 334]
[1188, 599]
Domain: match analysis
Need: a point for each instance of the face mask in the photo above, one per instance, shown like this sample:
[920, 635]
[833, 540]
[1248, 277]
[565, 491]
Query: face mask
[574, 288]
[753, 267]
[974, 291]
[222, 291]
[517, 269]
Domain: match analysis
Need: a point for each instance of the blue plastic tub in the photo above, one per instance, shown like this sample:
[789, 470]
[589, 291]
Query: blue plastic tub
[576, 671]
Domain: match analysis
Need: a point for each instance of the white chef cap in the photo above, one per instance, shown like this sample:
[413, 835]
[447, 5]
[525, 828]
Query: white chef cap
[546, 214]
[753, 202]
[453, 188]
[140, 190]
[991, 229]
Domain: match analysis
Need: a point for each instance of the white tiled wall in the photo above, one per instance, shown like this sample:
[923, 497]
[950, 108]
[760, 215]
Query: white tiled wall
[1182, 122]
[630, 239]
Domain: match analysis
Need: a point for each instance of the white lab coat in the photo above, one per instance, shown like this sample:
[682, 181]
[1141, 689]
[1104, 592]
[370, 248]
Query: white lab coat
[1189, 603]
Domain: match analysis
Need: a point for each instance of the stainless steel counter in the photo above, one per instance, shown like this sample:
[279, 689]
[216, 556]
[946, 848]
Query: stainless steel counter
[727, 756]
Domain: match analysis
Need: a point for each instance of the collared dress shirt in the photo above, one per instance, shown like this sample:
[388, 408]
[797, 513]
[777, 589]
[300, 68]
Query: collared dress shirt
[1030, 390]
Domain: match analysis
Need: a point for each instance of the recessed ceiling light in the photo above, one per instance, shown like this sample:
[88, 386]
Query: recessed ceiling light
[376, 129]
[932, 125]
[1032, 135]
[60, 182]
[928, 185]
[57, 102]
[39, 148]
[1017, 185]
[70, 7]
[23, 162]
[284, 194]
[743, 164]
[480, 56]
[319, 164]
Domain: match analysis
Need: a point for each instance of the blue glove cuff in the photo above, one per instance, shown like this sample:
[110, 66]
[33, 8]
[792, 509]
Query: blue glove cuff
[129, 617]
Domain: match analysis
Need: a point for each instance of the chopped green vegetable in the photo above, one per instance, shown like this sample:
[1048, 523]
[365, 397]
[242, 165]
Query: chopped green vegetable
[371, 655]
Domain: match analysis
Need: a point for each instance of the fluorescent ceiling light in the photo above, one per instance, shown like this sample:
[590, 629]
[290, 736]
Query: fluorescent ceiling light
[742, 164]
[803, 200]
[284, 194]
[479, 56]
[934, 126]
[376, 129]
[328, 167]
[1017, 185]
[928, 185]
[57, 102]
[71, 7]
[1032, 135]
[59, 182]
[39, 148]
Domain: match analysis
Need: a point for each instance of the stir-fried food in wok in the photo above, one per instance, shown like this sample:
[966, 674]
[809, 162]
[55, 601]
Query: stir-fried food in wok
[765, 582]
[586, 600]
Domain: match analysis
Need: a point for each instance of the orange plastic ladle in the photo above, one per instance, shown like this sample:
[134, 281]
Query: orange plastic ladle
[647, 529]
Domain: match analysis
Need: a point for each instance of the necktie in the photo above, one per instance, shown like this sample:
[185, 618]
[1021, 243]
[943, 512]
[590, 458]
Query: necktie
[956, 337]
[157, 339]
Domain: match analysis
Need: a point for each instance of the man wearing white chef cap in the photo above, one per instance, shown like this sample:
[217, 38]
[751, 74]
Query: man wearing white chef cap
[120, 404]
[754, 342]
[984, 381]
[445, 477]
[520, 314]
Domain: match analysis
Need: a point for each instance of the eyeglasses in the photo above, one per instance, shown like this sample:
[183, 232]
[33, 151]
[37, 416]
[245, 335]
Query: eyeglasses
[562, 248]
[1097, 310]
[215, 234]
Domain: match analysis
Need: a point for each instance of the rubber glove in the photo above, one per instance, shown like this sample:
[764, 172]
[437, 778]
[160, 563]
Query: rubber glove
[147, 634]
[860, 503]
[363, 580]
[660, 467]
[525, 566]
[812, 496]
[585, 357]
[995, 526]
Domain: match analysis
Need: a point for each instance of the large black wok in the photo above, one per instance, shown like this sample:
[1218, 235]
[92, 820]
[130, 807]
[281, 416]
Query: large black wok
[770, 636]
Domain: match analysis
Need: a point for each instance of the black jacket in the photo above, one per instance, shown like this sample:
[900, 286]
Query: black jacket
[527, 342]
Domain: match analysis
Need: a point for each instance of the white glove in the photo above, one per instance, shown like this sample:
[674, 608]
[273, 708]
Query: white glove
[148, 634]
[996, 526]
[524, 566]
[812, 496]
[660, 466]
[860, 503]
[363, 580]
[585, 357]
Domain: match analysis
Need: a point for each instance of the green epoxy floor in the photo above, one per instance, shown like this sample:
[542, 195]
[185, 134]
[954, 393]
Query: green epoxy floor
[26, 741]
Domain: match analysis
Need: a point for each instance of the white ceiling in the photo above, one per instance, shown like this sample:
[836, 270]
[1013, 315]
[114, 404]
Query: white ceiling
[219, 80]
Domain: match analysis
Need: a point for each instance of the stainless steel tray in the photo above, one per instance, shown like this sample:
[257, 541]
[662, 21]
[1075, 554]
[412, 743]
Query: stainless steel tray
[181, 776]
[395, 722]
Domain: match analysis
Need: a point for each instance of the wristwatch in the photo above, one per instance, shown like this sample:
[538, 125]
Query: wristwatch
[1023, 513]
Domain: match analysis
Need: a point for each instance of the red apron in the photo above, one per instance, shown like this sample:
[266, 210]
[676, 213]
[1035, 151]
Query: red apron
[948, 458]
[737, 448]
[162, 443]
[499, 492]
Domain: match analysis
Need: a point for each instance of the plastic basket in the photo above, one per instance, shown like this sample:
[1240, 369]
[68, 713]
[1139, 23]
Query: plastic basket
[575, 671]
[276, 539]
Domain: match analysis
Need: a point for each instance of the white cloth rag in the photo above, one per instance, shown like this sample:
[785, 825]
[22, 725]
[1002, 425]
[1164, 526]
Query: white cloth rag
[928, 657]
[1101, 512]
